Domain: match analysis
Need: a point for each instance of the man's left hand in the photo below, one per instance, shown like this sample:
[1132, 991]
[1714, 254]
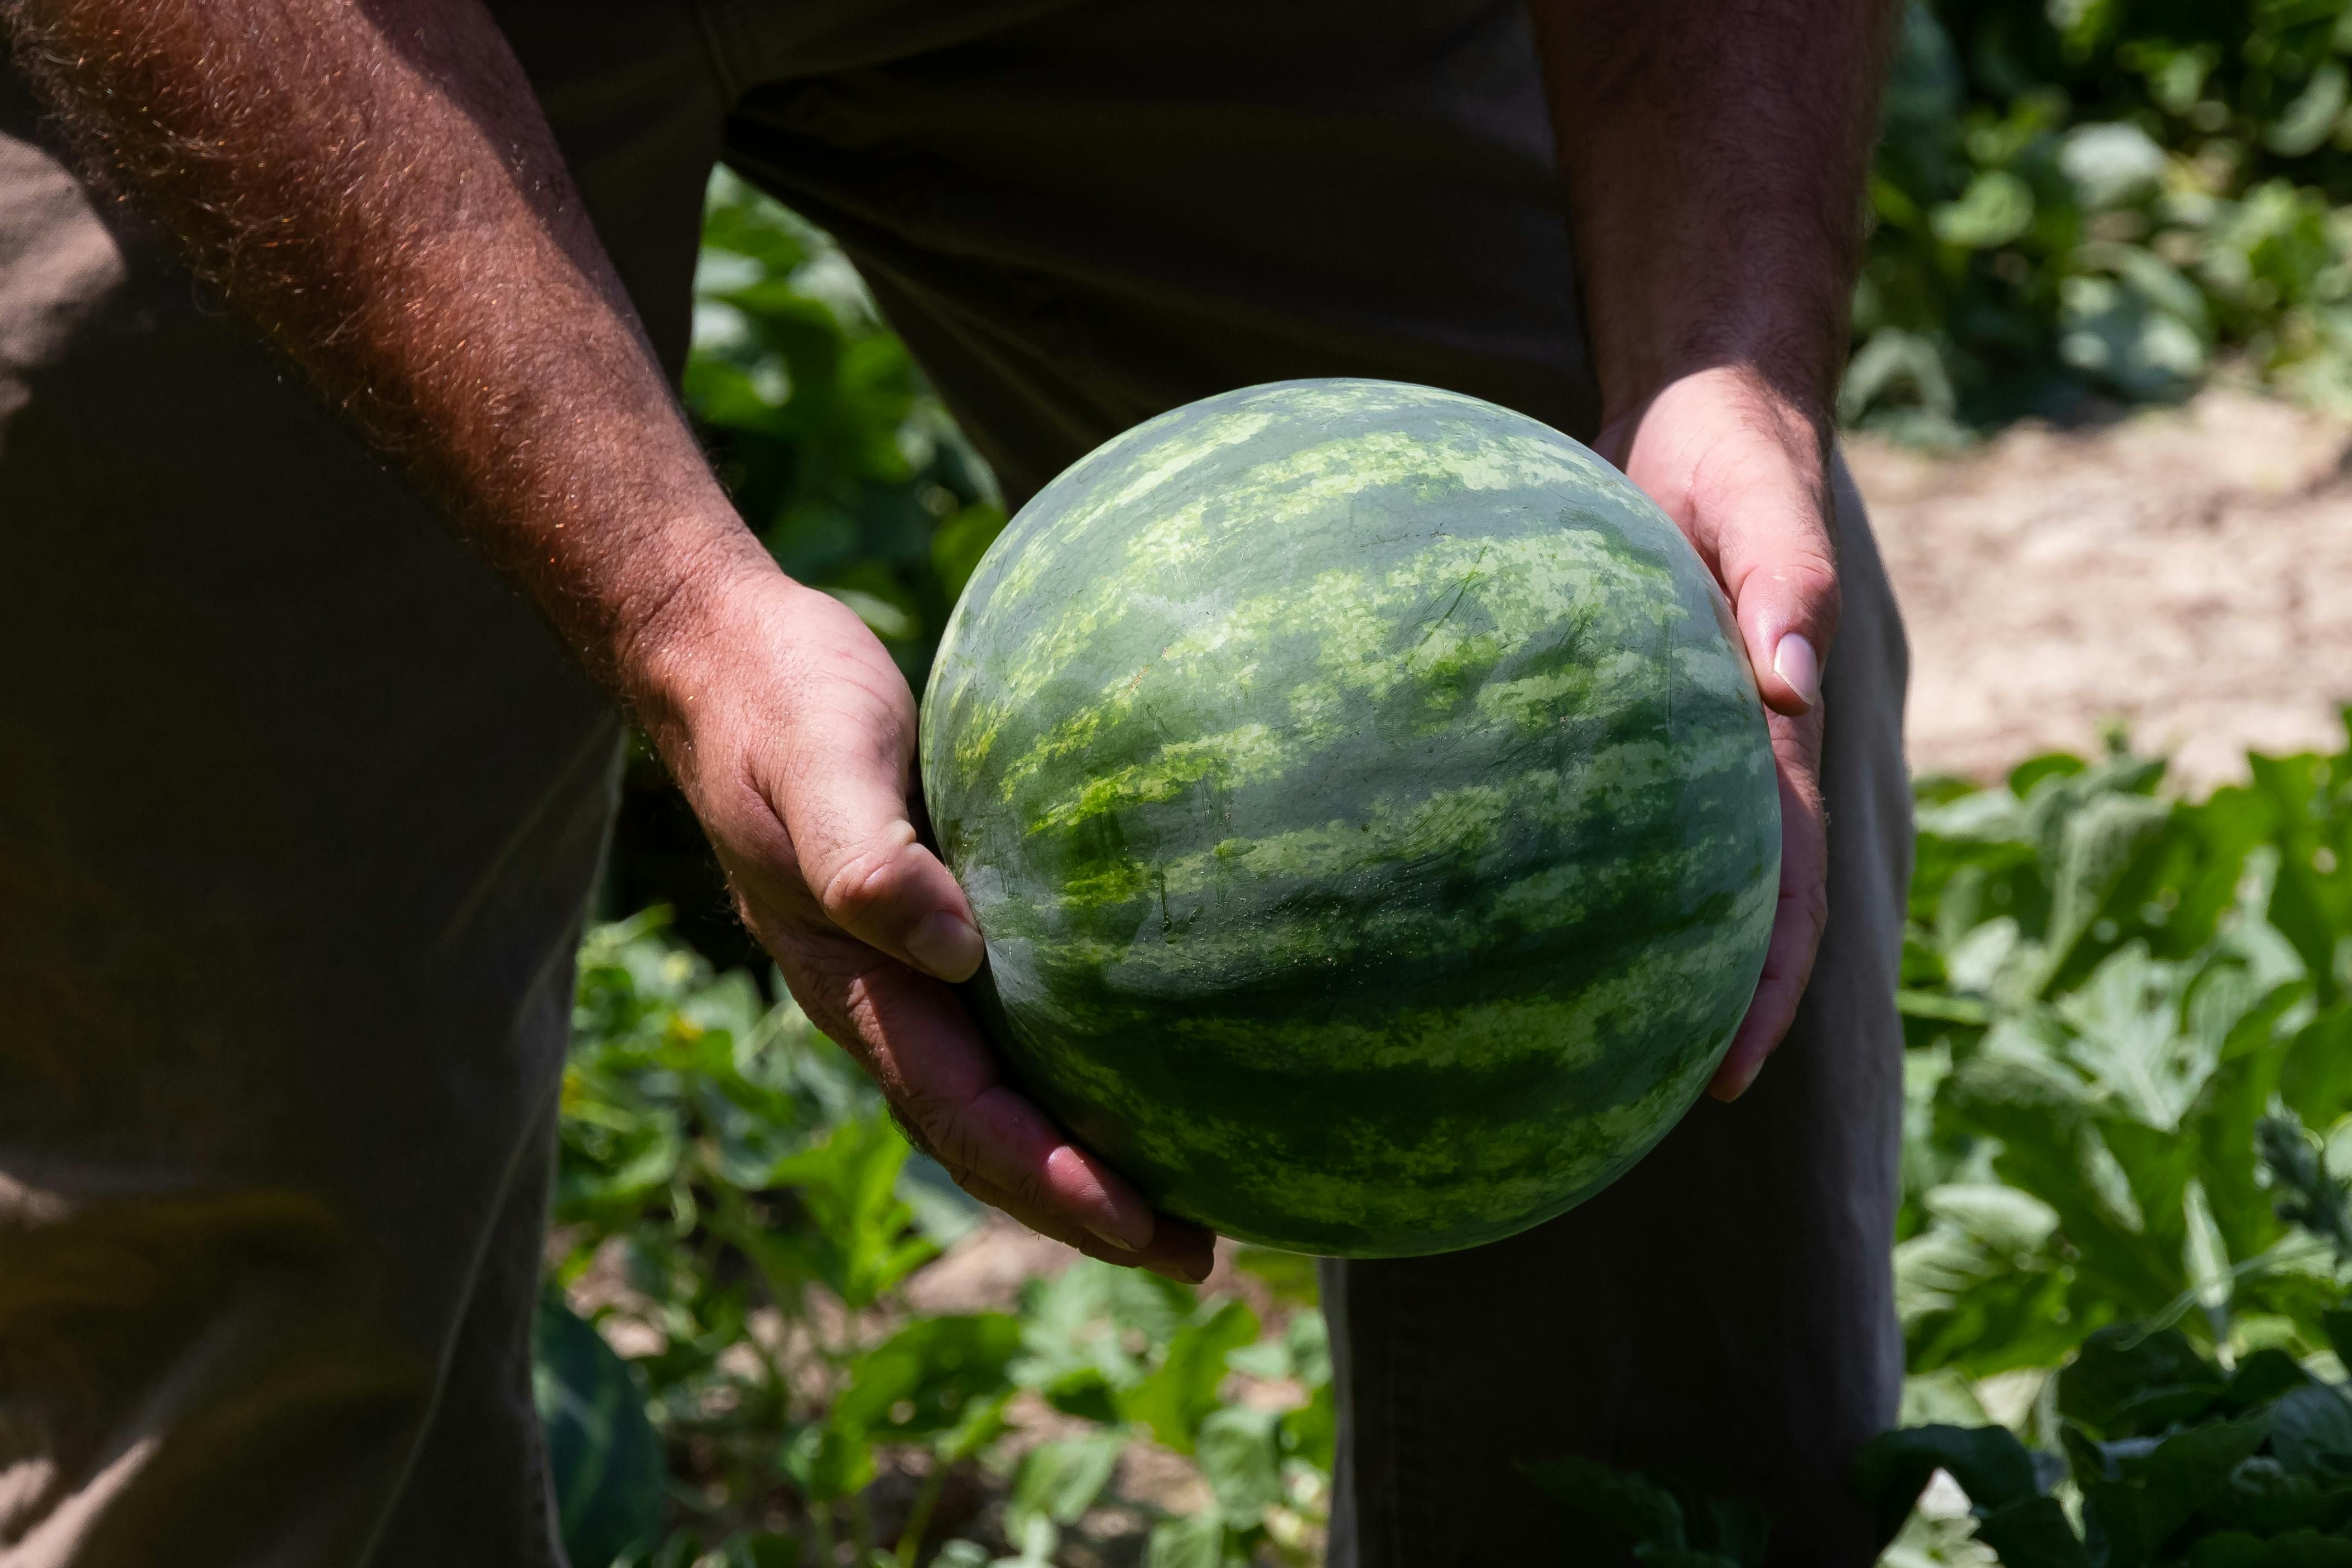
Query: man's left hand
[1742, 471]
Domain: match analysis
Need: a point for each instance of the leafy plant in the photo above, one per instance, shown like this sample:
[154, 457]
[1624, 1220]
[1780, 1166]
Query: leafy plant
[2104, 993]
[2167, 1457]
[2096, 196]
[834, 448]
[735, 1208]
[2123, 1012]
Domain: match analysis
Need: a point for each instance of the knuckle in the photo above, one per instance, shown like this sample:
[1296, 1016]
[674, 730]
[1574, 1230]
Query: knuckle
[936, 1125]
[867, 880]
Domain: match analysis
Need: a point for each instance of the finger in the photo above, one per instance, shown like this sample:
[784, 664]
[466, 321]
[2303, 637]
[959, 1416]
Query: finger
[944, 1084]
[1178, 1250]
[1800, 913]
[854, 843]
[1773, 551]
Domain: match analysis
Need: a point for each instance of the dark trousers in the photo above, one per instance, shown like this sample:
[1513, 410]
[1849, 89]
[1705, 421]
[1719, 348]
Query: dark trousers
[300, 808]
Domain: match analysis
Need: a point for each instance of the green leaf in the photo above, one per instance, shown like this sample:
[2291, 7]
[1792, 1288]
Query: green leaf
[2125, 1382]
[1072, 1329]
[1197, 1541]
[864, 1240]
[2034, 1533]
[2311, 1430]
[1060, 1481]
[2056, 1144]
[927, 1377]
[1290, 1276]
[1312, 1431]
[2264, 1374]
[758, 1548]
[1239, 1451]
[960, 541]
[1995, 209]
[2294, 1549]
[1894, 1467]
[827, 1461]
[2158, 1492]
[2315, 1073]
[2267, 1498]
[602, 1456]
[1180, 1392]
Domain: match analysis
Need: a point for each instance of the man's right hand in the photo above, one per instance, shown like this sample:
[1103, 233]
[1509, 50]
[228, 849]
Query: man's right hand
[793, 734]
[375, 187]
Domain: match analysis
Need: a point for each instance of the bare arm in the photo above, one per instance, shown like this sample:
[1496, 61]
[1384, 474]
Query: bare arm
[372, 183]
[1713, 154]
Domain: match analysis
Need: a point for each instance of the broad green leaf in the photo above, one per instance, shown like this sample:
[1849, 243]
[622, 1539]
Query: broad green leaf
[1311, 1432]
[864, 1240]
[1289, 1275]
[1182, 1390]
[2125, 1382]
[2294, 1549]
[1197, 1541]
[927, 1376]
[603, 1458]
[2158, 1492]
[1308, 1339]
[1073, 1330]
[2267, 1499]
[2311, 1430]
[1239, 1450]
[1060, 1480]
[758, 1548]
[2263, 1375]
[1987, 1462]
[2034, 1533]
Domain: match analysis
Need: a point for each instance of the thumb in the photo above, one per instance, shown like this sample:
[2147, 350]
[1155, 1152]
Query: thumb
[855, 841]
[1773, 553]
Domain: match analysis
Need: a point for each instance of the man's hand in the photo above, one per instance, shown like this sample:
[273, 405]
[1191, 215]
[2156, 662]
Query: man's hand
[372, 183]
[1711, 158]
[1741, 473]
[792, 733]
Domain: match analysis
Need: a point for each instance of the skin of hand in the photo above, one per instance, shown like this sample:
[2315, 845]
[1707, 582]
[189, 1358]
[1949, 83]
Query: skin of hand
[1712, 158]
[372, 185]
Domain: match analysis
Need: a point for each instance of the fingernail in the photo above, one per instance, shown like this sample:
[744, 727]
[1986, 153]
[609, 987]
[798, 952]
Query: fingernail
[1130, 1235]
[1108, 1239]
[1182, 1273]
[1729, 1088]
[1795, 662]
[946, 945]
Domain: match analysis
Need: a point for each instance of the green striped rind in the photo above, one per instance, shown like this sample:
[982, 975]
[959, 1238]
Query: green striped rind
[1370, 817]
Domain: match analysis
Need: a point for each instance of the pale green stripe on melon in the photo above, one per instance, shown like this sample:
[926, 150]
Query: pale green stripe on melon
[1689, 969]
[1453, 822]
[1524, 588]
[1298, 490]
[1392, 1188]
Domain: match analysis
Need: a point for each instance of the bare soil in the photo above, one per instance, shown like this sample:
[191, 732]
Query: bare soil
[2186, 573]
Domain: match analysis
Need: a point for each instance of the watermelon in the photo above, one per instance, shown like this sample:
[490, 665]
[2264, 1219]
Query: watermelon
[1368, 810]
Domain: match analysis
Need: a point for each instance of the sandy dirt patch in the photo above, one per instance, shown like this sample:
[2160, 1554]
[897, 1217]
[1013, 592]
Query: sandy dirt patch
[2185, 572]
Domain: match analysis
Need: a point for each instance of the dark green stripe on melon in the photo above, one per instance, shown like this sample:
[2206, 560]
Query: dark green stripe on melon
[1369, 816]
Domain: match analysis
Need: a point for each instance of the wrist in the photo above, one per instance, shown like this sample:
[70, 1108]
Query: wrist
[1792, 382]
[1738, 392]
[712, 593]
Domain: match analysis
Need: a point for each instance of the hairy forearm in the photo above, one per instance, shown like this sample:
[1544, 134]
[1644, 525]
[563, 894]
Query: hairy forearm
[372, 183]
[1713, 153]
